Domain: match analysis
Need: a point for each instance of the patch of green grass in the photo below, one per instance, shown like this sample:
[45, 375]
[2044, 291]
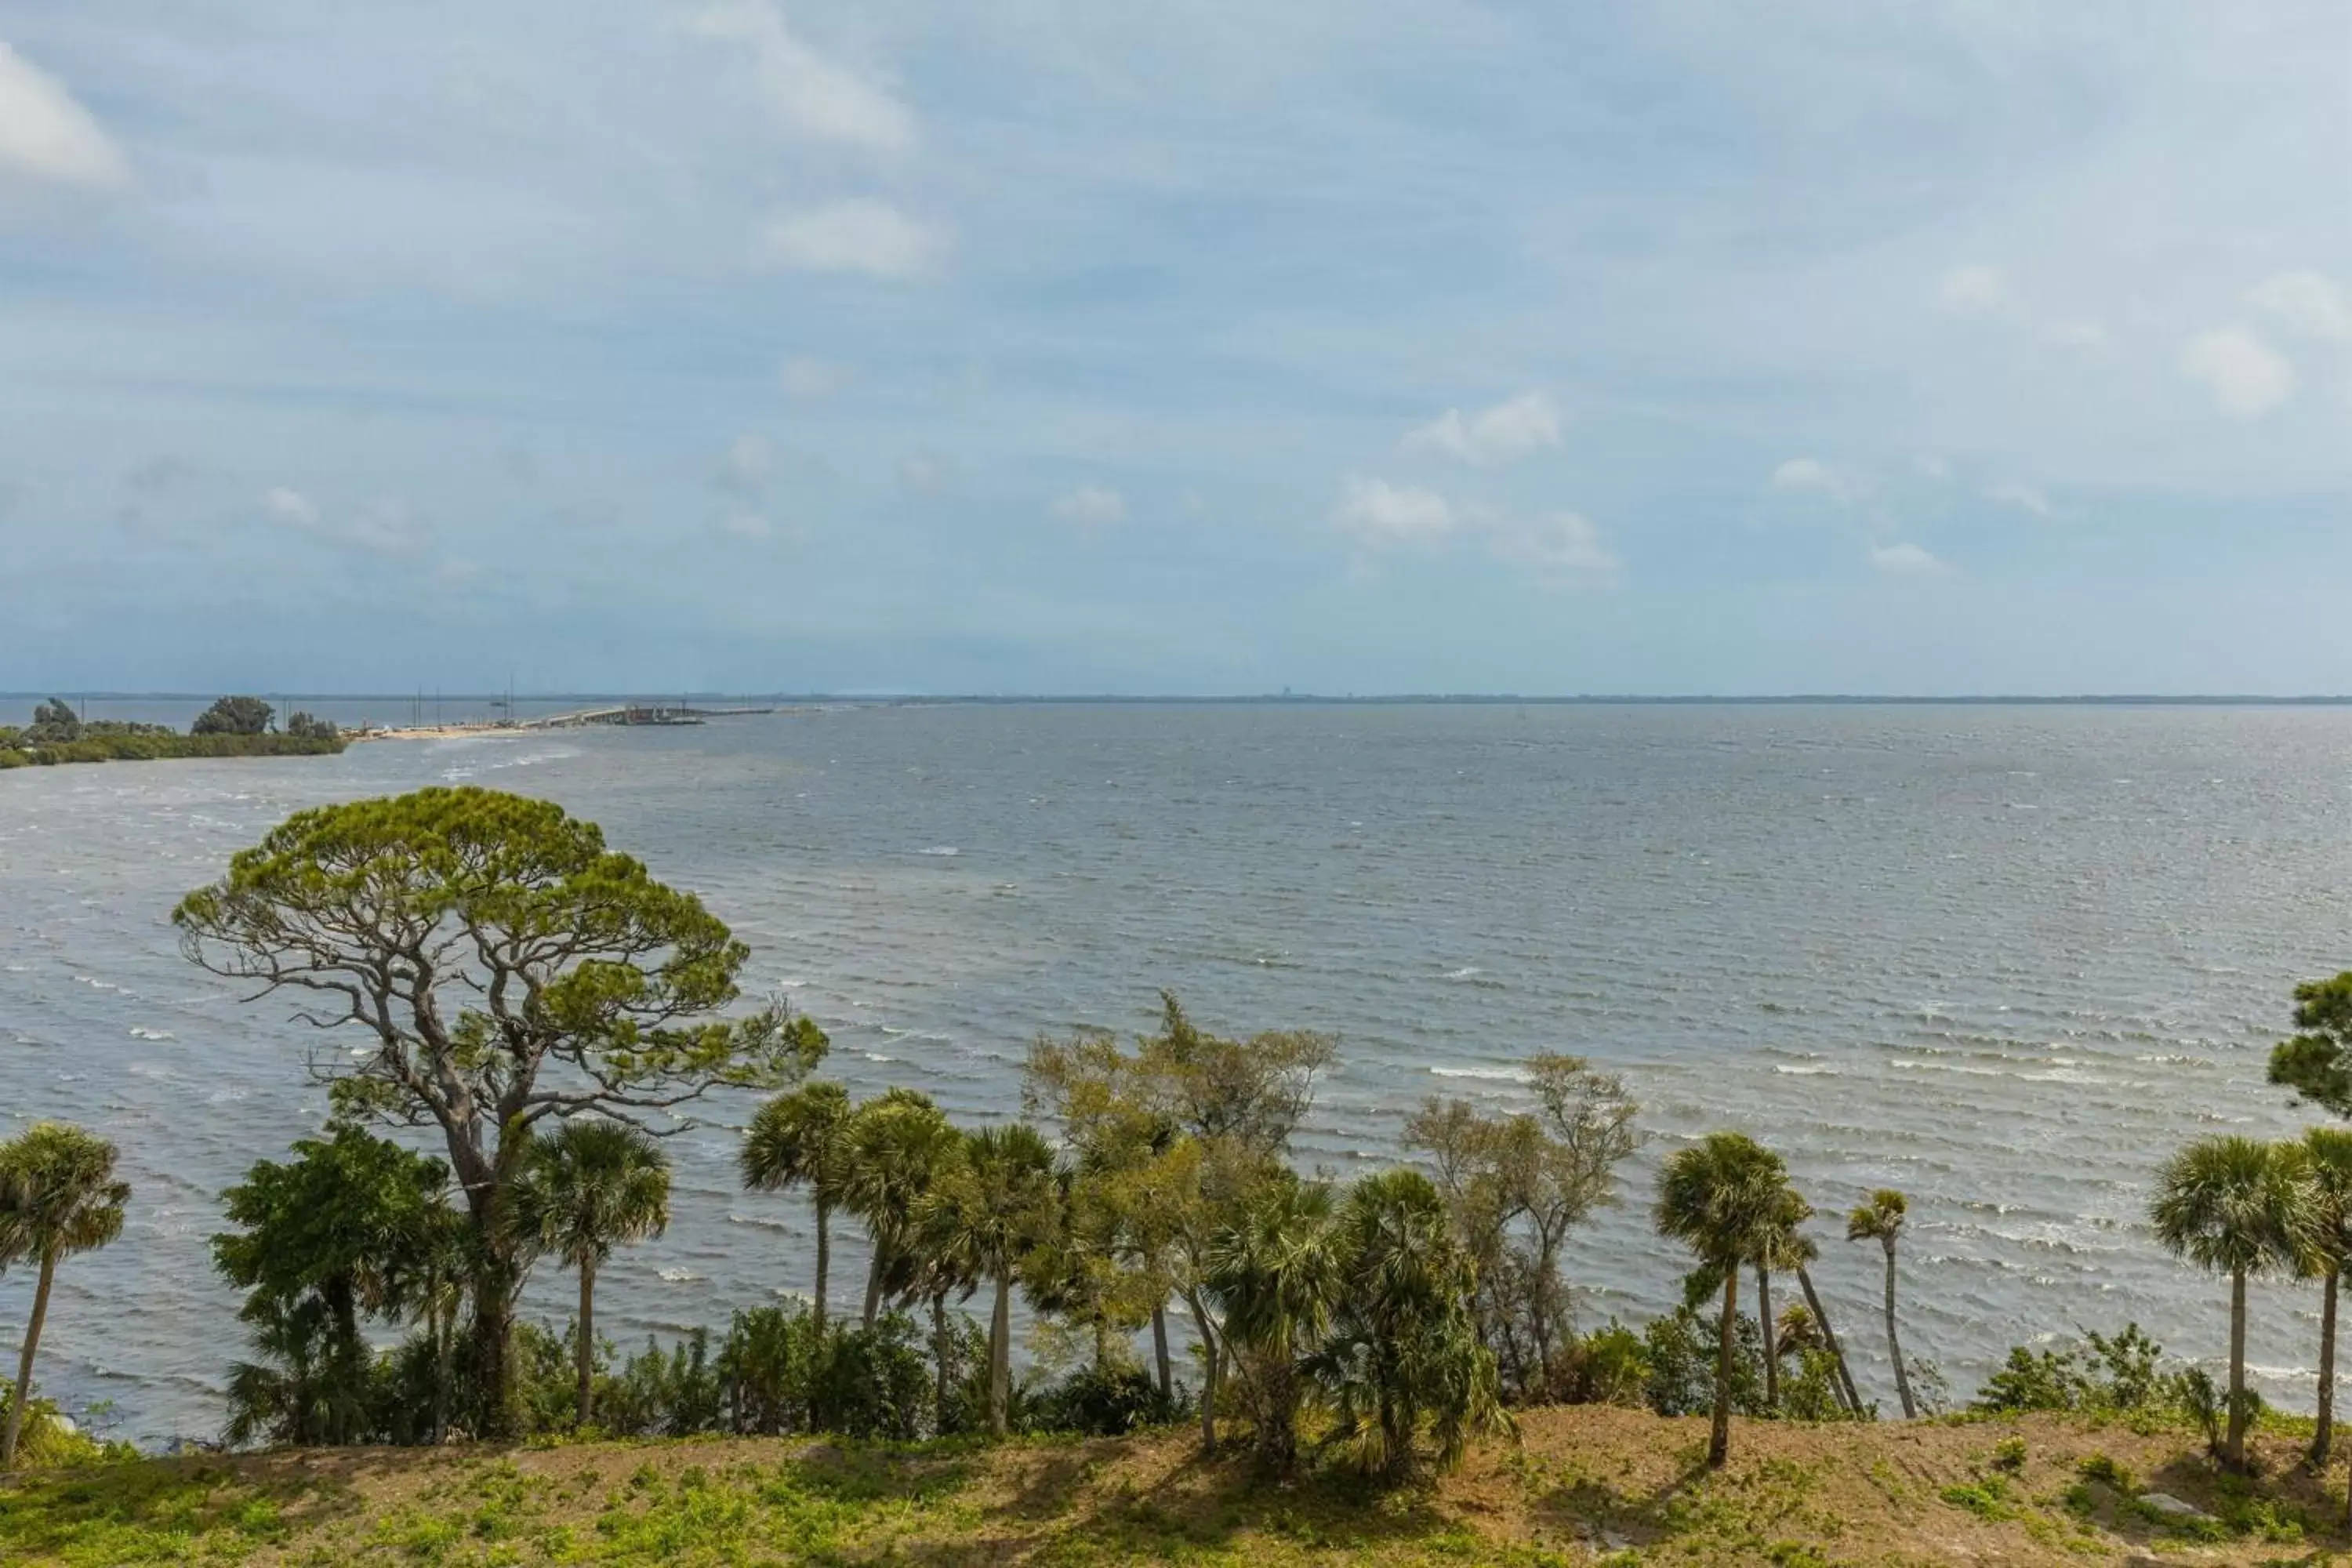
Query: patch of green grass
[1988, 1499]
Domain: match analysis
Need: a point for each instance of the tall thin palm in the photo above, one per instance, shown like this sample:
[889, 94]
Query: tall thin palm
[592, 1186]
[2235, 1207]
[57, 1196]
[894, 1148]
[2328, 1152]
[1722, 1198]
[995, 1207]
[795, 1141]
[1780, 1248]
[1881, 1220]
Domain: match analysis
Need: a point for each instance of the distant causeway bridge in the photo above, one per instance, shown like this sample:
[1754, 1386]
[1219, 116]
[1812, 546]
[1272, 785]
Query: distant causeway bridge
[636, 714]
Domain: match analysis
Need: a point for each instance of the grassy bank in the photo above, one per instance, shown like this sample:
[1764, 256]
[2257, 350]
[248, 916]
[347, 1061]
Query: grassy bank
[161, 748]
[1585, 1484]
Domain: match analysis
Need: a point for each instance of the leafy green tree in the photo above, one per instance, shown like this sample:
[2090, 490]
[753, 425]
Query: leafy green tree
[305, 727]
[1275, 1276]
[1517, 1186]
[1881, 1220]
[796, 1141]
[1723, 1198]
[893, 1148]
[589, 1186]
[55, 722]
[2329, 1155]
[59, 1196]
[2317, 1064]
[351, 1223]
[2235, 1207]
[1196, 1122]
[1403, 1350]
[234, 716]
[989, 1211]
[505, 966]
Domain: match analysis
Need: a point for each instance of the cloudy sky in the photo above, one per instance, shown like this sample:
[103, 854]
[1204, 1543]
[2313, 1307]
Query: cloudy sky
[1078, 346]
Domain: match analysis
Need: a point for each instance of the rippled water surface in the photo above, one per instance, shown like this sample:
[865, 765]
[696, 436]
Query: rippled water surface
[2005, 959]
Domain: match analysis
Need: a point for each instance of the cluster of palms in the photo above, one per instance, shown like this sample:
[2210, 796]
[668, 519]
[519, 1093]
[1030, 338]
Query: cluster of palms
[59, 1196]
[1730, 1200]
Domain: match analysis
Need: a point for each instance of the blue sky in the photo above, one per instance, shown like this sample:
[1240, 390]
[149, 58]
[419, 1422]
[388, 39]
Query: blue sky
[1384, 345]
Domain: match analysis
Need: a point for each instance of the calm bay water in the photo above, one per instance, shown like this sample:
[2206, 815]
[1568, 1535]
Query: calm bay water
[2006, 959]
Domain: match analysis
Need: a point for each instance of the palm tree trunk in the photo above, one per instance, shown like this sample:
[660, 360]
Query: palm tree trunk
[1208, 1371]
[1160, 1350]
[444, 1347]
[587, 1339]
[874, 1286]
[25, 1361]
[2324, 1434]
[939, 1357]
[2233, 1448]
[824, 1256]
[1000, 1357]
[1894, 1346]
[1718, 1440]
[1771, 1340]
[1847, 1393]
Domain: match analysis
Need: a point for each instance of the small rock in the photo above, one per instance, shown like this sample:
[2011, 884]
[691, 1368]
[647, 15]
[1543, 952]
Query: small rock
[1610, 1540]
[2171, 1507]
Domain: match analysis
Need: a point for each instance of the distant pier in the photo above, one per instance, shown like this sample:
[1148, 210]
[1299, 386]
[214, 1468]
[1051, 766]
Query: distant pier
[637, 714]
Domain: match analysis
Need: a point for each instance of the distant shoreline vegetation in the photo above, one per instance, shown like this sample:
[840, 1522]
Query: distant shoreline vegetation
[232, 727]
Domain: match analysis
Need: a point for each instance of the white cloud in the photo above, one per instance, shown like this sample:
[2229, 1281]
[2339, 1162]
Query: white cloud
[1560, 547]
[1091, 506]
[2246, 376]
[384, 527]
[290, 506]
[2303, 302]
[813, 96]
[2023, 497]
[926, 477]
[45, 135]
[745, 467]
[860, 234]
[1502, 433]
[2088, 336]
[1382, 514]
[803, 376]
[742, 524]
[1810, 475]
[1903, 560]
[1972, 292]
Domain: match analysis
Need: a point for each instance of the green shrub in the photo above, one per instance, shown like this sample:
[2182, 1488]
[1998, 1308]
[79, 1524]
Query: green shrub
[1607, 1366]
[2099, 1467]
[1107, 1402]
[2009, 1455]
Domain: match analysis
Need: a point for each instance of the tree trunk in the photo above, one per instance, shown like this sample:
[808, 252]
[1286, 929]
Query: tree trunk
[1847, 1393]
[587, 1340]
[873, 1286]
[1160, 1350]
[1718, 1440]
[445, 1352]
[940, 1356]
[1894, 1346]
[2323, 1433]
[1000, 1357]
[17, 1407]
[1208, 1371]
[489, 1346]
[1771, 1338]
[824, 1258]
[2234, 1446]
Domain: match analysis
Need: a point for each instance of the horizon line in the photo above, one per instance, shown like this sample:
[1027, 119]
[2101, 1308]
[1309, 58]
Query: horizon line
[2085, 699]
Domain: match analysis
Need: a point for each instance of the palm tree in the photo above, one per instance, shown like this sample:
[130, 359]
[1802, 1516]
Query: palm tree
[57, 1196]
[1881, 1220]
[893, 1148]
[987, 1214]
[2235, 1207]
[593, 1186]
[1404, 1344]
[1722, 1198]
[2329, 1153]
[795, 1141]
[1805, 1252]
[1274, 1275]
